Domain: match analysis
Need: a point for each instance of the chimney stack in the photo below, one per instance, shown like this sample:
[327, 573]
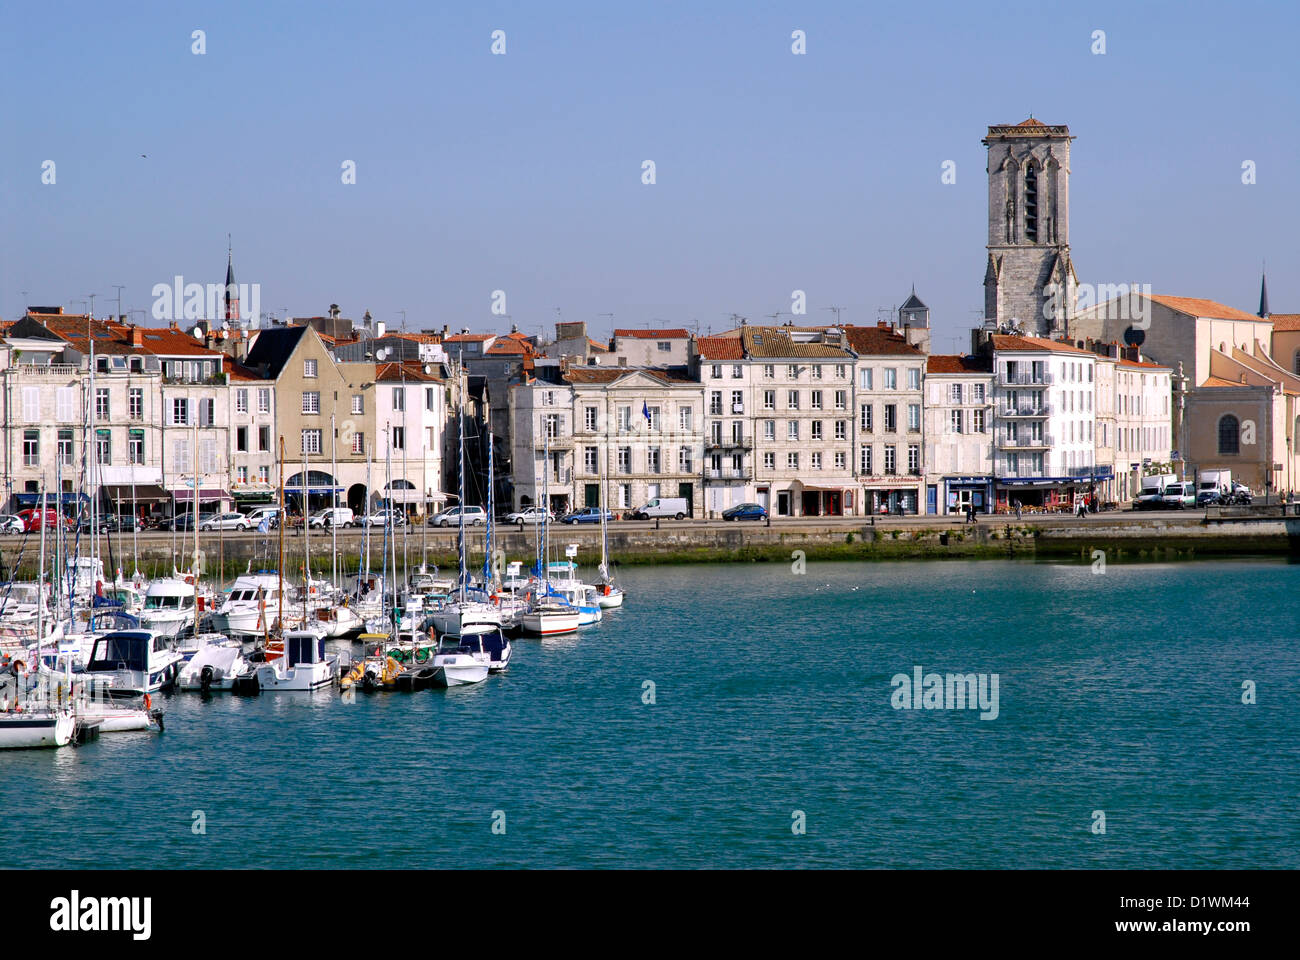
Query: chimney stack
[137, 337]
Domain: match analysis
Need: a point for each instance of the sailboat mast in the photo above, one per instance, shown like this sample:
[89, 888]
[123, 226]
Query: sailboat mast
[40, 580]
[406, 478]
[279, 614]
[194, 518]
[334, 532]
[369, 457]
[305, 487]
[488, 578]
[460, 470]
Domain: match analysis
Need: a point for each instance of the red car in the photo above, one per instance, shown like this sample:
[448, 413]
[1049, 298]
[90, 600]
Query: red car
[32, 518]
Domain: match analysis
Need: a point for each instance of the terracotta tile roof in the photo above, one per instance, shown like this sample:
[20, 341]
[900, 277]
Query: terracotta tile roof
[1220, 382]
[410, 370]
[951, 363]
[1285, 322]
[469, 337]
[1196, 307]
[1003, 341]
[596, 345]
[419, 337]
[777, 343]
[508, 345]
[237, 371]
[1142, 363]
[674, 333]
[874, 341]
[720, 348]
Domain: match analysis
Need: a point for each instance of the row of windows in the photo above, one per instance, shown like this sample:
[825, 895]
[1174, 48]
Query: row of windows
[64, 451]
[793, 371]
[867, 461]
[867, 418]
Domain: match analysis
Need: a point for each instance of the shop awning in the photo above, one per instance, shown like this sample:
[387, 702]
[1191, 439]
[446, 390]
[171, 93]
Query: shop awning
[186, 495]
[145, 492]
[314, 491]
[51, 499]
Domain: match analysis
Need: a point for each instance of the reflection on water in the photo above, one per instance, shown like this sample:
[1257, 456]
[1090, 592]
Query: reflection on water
[1119, 691]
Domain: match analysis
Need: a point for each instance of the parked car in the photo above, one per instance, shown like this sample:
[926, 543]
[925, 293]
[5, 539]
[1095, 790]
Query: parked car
[474, 516]
[675, 507]
[1179, 495]
[33, 519]
[745, 511]
[381, 517]
[586, 515]
[224, 521]
[529, 515]
[110, 523]
[10, 523]
[185, 521]
[1209, 498]
[258, 514]
[332, 517]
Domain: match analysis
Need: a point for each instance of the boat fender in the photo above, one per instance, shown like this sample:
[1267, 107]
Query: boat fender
[148, 702]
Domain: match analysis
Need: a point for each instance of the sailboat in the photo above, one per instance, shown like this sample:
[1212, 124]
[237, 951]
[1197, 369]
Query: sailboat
[608, 594]
[470, 607]
[548, 614]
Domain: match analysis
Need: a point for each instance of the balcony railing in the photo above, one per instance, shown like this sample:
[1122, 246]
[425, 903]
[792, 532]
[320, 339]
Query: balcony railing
[46, 369]
[1024, 378]
[1022, 443]
[728, 444]
[1026, 410]
[730, 473]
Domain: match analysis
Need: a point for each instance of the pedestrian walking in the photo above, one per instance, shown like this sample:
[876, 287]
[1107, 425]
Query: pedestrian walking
[1017, 509]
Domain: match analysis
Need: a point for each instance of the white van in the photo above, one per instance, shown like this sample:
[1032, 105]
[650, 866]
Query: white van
[674, 507]
[257, 515]
[332, 517]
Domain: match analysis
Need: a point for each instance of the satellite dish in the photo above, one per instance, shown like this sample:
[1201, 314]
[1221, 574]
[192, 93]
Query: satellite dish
[381, 353]
[198, 332]
[428, 368]
[1135, 336]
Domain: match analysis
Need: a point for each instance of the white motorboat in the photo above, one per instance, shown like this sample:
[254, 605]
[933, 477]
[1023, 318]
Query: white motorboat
[250, 608]
[24, 606]
[41, 727]
[455, 616]
[216, 666]
[168, 605]
[305, 665]
[456, 666]
[336, 617]
[487, 644]
[131, 663]
[548, 616]
[113, 717]
[608, 595]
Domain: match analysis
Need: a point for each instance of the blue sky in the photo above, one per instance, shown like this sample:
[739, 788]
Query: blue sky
[522, 172]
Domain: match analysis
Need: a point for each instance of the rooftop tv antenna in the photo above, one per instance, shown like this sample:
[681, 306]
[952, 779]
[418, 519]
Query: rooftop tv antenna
[836, 311]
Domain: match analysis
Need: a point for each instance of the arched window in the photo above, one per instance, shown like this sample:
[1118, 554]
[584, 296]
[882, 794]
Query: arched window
[1296, 362]
[1031, 204]
[1229, 436]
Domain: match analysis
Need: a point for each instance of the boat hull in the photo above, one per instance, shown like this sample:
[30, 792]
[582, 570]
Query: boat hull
[20, 731]
[549, 624]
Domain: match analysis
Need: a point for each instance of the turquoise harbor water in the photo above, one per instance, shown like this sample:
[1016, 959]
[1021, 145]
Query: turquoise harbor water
[1118, 692]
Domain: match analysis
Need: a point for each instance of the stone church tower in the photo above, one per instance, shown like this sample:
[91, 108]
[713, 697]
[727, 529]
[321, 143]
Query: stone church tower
[1029, 228]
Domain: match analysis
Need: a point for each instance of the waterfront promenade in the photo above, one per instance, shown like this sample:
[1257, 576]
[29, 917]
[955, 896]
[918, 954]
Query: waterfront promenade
[1120, 535]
